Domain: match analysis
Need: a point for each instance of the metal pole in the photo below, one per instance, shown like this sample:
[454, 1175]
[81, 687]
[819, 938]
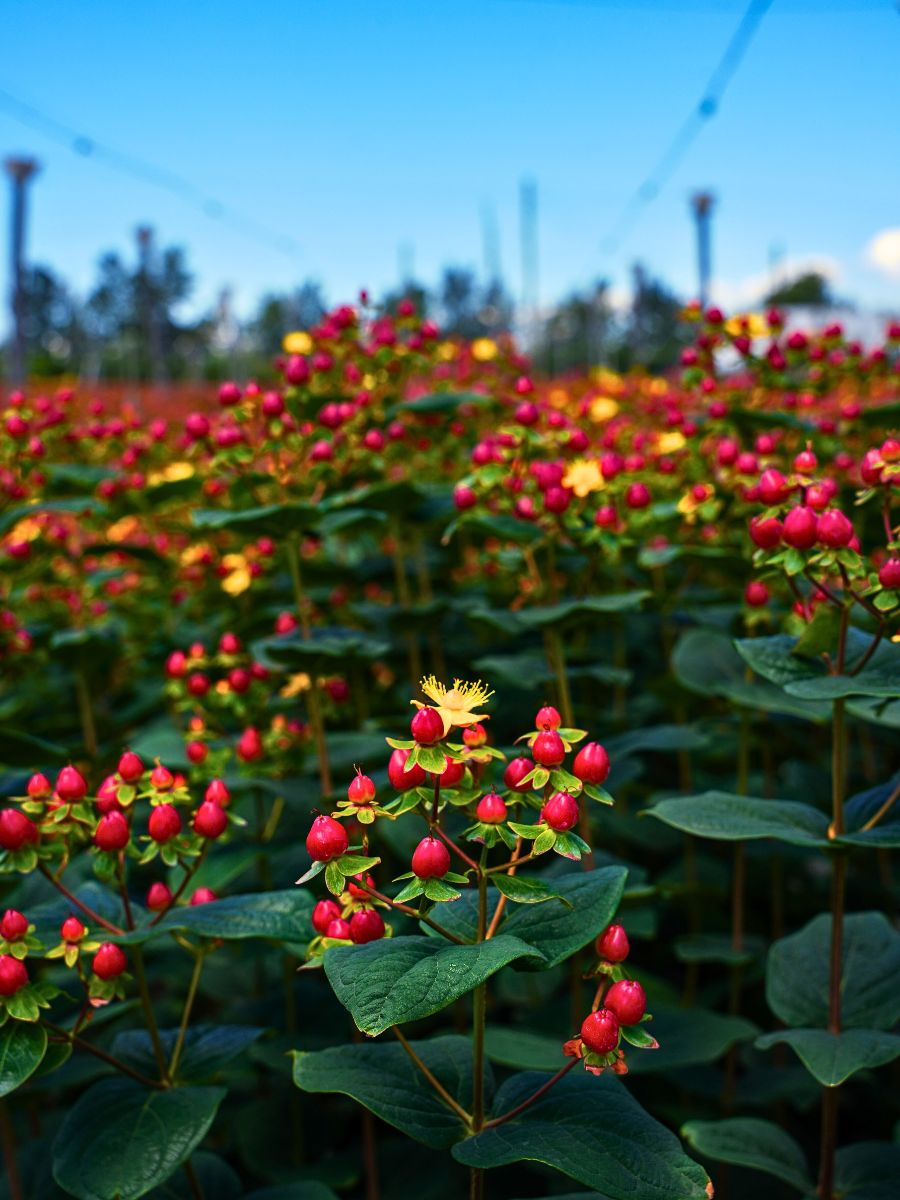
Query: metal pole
[702, 205]
[20, 170]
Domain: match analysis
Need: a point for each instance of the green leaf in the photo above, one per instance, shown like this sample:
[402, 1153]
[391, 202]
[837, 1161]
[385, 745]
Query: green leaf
[569, 611]
[833, 1057]
[355, 864]
[867, 1171]
[556, 932]
[524, 889]
[215, 1177]
[726, 817]
[707, 662]
[154, 1131]
[207, 1048]
[22, 1047]
[821, 634]
[749, 1142]
[334, 878]
[441, 402]
[431, 759]
[717, 948]
[798, 966]
[774, 659]
[384, 1079]
[281, 916]
[273, 520]
[305, 1189]
[634, 1156]
[640, 1036]
[402, 979]
[440, 892]
[656, 738]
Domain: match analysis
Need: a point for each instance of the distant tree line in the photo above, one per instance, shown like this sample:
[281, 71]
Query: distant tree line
[130, 325]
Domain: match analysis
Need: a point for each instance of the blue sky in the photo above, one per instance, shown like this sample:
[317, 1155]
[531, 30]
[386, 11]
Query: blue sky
[356, 128]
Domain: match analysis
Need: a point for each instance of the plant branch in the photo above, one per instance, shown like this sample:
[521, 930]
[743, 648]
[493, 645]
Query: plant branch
[542, 1090]
[435, 1083]
[412, 912]
[199, 959]
[72, 898]
[69, 1036]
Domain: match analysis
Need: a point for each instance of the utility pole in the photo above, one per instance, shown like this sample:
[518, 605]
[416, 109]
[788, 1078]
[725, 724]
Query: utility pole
[20, 171]
[702, 204]
[490, 244]
[528, 233]
[149, 304]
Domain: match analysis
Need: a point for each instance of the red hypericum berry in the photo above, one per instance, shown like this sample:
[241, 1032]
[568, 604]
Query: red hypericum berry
[338, 928]
[210, 820]
[130, 767]
[591, 763]
[197, 752]
[218, 793]
[361, 789]
[165, 823]
[327, 839]
[600, 1031]
[834, 529]
[756, 594]
[202, 895]
[452, 774]
[474, 736]
[427, 726]
[431, 859]
[800, 528]
[627, 1000]
[230, 643]
[401, 777]
[637, 495]
[323, 914]
[773, 487]
[516, 770]
[176, 664]
[198, 684]
[560, 812]
[13, 925]
[109, 961]
[159, 896]
[112, 832]
[13, 975]
[250, 746]
[366, 925]
[464, 498]
[356, 890]
[547, 718]
[72, 930]
[162, 778]
[766, 532]
[889, 574]
[108, 796]
[491, 809]
[805, 462]
[612, 944]
[16, 829]
[547, 749]
[70, 785]
[39, 787]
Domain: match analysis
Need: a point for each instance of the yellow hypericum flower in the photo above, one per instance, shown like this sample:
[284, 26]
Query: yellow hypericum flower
[484, 349]
[238, 578]
[455, 705]
[172, 473]
[123, 529]
[670, 442]
[295, 685]
[25, 530]
[298, 342]
[604, 408]
[584, 476]
[447, 351]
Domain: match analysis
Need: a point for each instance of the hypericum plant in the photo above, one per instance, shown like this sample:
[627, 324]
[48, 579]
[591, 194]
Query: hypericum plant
[80, 945]
[471, 908]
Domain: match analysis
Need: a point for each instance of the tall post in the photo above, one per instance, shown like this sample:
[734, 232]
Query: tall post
[19, 170]
[148, 301]
[702, 205]
[528, 232]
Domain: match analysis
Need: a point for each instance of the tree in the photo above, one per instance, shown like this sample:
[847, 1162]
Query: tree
[811, 288]
[652, 336]
[578, 333]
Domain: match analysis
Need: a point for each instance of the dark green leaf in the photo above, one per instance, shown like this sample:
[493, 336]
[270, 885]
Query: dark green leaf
[593, 1131]
[384, 1079]
[524, 890]
[207, 1048]
[725, 817]
[833, 1057]
[749, 1142]
[281, 916]
[867, 1171]
[798, 965]
[23, 1045]
[120, 1140]
[402, 979]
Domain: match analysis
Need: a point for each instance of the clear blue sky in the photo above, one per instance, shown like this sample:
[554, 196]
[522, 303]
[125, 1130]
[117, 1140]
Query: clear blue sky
[359, 126]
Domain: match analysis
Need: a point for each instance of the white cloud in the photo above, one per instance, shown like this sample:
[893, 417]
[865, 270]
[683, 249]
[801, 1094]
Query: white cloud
[883, 252]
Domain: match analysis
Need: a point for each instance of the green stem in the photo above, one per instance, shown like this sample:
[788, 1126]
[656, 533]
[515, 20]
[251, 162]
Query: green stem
[86, 715]
[188, 876]
[137, 955]
[479, 1005]
[193, 1182]
[838, 894]
[186, 1013]
[313, 700]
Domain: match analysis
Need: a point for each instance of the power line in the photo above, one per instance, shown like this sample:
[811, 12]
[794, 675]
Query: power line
[704, 111]
[147, 172]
